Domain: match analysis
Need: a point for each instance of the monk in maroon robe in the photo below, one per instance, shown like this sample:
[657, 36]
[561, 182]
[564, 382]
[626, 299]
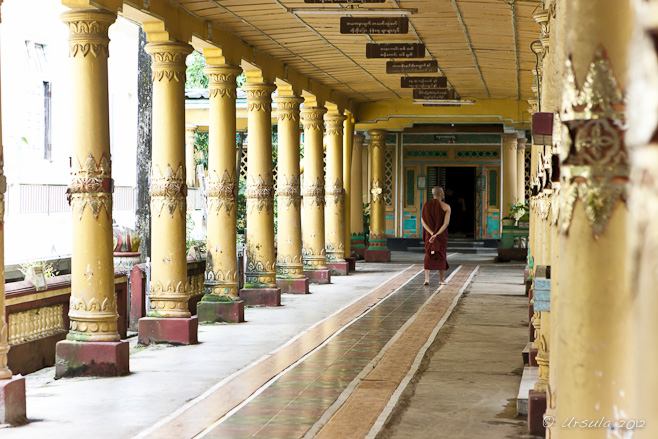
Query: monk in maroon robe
[435, 219]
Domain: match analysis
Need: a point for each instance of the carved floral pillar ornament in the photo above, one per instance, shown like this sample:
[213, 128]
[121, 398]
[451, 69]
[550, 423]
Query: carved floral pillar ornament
[356, 227]
[221, 277]
[261, 261]
[334, 195]
[593, 335]
[290, 265]
[168, 290]
[510, 147]
[377, 240]
[313, 227]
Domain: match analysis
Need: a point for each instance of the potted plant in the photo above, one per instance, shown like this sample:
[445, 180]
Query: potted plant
[518, 210]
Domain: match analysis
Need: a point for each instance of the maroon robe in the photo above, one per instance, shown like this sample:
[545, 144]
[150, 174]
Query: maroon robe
[435, 253]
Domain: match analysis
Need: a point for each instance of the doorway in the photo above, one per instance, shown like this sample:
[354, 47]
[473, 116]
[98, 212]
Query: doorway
[460, 195]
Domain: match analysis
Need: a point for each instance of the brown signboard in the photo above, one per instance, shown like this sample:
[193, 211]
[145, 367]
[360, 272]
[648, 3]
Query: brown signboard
[395, 50]
[430, 66]
[374, 25]
[354, 2]
[437, 94]
[423, 82]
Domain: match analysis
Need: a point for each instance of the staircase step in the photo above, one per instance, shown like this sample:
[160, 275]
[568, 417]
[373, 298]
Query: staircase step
[530, 377]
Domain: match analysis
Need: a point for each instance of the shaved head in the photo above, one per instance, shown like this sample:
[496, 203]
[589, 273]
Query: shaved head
[437, 192]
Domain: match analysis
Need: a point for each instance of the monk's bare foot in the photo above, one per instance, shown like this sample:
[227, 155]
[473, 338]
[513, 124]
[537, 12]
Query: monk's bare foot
[426, 282]
[443, 282]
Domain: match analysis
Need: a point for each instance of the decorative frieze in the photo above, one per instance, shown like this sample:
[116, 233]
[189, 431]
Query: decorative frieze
[288, 192]
[314, 193]
[168, 60]
[88, 32]
[168, 190]
[260, 193]
[312, 118]
[91, 186]
[221, 80]
[221, 192]
[168, 300]
[259, 96]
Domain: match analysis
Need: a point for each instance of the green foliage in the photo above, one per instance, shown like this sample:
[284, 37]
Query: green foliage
[241, 79]
[201, 148]
[241, 210]
[189, 241]
[195, 78]
[366, 220]
[518, 209]
[49, 270]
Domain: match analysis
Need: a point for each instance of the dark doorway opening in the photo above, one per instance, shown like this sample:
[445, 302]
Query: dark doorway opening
[460, 195]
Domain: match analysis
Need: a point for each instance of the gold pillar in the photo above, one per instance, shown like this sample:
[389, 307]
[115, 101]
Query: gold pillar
[366, 173]
[5, 373]
[510, 147]
[313, 226]
[93, 310]
[334, 200]
[190, 131]
[290, 265]
[594, 313]
[520, 169]
[356, 220]
[168, 292]
[348, 140]
[377, 249]
[261, 260]
[221, 265]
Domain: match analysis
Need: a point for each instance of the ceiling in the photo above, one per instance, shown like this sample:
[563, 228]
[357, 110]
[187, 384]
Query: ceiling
[482, 46]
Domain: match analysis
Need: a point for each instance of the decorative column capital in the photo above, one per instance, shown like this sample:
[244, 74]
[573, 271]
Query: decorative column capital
[358, 141]
[334, 124]
[521, 143]
[377, 138]
[510, 141]
[259, 96]
[168, 60]
[287, 107]
[88, 31]
[222, 80]
[312, 117]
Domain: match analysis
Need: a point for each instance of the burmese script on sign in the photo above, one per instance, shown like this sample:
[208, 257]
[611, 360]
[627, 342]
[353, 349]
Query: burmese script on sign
[374, 25]
[423, 82]
[395, 50]
[412, 66]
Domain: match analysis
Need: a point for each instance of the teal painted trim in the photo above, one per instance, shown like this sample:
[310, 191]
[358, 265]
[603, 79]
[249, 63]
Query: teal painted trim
[452, 139]
[453, 162]
[378, 240]
[390, 217]
[357, 245]
[407, 235]
[423, 153]
[390, 232]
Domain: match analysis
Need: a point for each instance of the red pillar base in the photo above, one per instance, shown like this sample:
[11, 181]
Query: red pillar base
[376, 255]
[351, 263]
[339, 268]
[532, 358]
[261, 296]
[293, 286]
[181, 331]
[360, 251]
[536, 411]
[318, 276]
[229, 312]
[88, 358]
[12, 401]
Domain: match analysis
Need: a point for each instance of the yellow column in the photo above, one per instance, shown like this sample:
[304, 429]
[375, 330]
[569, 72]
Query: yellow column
[510, 147]
[290, 266]
[377, 250]
[221, 301]
[12, 390]
[366, 174]
[315, 260]
[348, 139]
[594, 337]
[334, 200]
[260, 286]
[168, 318]
[93, 309]
[520, 169]
[356, 220]
[190, 131]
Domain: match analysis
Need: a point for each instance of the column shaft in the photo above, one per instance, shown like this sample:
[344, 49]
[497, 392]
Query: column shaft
[348, 140]
[313, 227]
[520, 170]
[356, 220]
[377, 239]
[190, 167]
[334, 199]
[168, 292]
[221, 264]
[261, 261]
[594, 313]
[93, 310]
[289, 236]
[510, 147]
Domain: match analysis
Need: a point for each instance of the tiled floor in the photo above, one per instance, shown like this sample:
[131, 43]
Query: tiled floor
[293, 403]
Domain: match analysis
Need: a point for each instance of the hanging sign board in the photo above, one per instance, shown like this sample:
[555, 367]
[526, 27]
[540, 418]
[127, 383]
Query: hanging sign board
[434, 94]
[353, 2]
[374, 25]
[395, 50]
[430, 66]
[423, 82]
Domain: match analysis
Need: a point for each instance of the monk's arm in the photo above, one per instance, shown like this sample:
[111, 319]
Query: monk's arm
[446, 221]
[426, 227]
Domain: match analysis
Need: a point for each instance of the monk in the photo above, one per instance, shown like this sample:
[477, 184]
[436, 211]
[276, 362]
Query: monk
[435, 219]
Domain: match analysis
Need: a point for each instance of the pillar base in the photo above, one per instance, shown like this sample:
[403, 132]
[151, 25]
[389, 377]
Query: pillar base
[12, 401]
[351, 264]
[293, 286]
[89, 358]
[378, 255]
[318, 276]
[228, 312]
[536, 411]
[532, 358]
[180, 331]
[261, 296]
[338, 268]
